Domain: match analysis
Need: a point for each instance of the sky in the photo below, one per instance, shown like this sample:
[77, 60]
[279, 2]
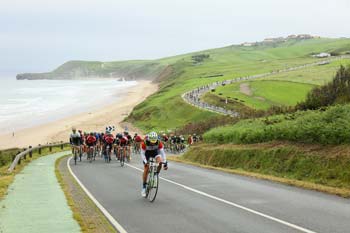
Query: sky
[39, 35]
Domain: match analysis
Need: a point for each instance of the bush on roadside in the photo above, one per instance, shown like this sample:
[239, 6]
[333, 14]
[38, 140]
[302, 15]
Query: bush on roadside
[324, 126]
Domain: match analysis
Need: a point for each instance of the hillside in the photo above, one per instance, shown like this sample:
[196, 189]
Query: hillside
[165, 110]
[128, 70]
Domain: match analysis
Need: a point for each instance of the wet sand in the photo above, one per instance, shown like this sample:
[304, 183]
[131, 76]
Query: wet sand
[97, 120]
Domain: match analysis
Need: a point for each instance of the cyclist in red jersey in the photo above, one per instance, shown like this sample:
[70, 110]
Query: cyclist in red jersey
[91, 140]
[108, 140]
[137, 138]
[91, 143]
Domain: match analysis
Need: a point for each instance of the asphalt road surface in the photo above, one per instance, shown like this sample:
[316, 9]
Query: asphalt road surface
[192, 199]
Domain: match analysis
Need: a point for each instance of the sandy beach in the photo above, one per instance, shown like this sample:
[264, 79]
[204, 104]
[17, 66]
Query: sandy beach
[56, 131]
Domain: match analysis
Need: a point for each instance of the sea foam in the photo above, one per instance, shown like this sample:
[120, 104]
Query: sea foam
[28, 103]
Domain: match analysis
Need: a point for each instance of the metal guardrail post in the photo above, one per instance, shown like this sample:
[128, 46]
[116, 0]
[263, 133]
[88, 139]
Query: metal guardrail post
[61, 145]
[19, 161]
[39, 150]
[30, 152]
[25, 155]
[50, 148]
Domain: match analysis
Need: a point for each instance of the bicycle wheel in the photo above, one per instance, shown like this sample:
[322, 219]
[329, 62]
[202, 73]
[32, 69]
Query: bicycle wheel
[122, 158]
[75, 157]
[88, 156]
[152, 186]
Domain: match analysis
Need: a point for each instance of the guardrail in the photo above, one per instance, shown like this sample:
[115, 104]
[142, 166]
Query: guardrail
[23, 154]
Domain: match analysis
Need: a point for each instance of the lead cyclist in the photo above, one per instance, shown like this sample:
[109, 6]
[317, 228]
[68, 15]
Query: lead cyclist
[75, 140]
[151, 147]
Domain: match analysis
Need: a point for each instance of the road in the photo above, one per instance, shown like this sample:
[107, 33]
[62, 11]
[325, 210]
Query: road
[193, 199]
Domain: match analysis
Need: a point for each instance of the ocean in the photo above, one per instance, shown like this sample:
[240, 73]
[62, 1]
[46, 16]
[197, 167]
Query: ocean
[26, 103]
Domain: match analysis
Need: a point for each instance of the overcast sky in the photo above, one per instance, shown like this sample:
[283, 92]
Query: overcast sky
[39, 35]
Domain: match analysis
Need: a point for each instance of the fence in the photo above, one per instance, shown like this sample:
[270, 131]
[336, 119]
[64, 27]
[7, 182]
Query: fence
[30, 150]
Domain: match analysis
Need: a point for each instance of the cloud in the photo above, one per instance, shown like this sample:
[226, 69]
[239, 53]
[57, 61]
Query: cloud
[40, 34]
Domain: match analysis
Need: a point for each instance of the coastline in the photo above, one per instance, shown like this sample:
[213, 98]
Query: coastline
[95, 120]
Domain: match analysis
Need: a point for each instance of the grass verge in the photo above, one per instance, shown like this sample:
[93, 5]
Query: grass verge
[314, 167]
[7, 178]
[85, 212]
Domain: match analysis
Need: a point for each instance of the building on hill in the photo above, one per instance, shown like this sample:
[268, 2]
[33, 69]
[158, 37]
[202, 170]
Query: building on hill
[305, 36]
[322, 55]
[247, 44]
[291, 37]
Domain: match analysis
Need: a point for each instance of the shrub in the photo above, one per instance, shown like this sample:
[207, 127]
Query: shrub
[325, 126]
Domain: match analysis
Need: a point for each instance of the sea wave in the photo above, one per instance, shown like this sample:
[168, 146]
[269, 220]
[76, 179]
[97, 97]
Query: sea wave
[27, 103]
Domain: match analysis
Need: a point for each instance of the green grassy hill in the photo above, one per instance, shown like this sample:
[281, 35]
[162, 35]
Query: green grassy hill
[129, 70]
[167, 110]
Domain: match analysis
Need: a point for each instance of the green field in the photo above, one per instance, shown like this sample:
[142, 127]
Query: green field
[264, 94]
[317, 75]
[166, 109]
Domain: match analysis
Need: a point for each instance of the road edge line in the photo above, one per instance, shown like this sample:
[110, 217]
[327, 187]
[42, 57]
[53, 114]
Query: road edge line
[110, 218]
[291, 225]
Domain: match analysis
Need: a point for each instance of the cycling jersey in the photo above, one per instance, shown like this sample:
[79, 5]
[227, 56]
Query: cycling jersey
[129, 138]
[138, 138]
[165, 138]
[109, 139]
[75, 139]
[190, 140]
[149, 150]
[90, 140]
[123, 141]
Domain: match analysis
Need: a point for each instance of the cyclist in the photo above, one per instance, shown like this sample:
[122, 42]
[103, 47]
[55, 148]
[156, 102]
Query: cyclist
[190, 140]
[182, 143]
[195, 139]
[152, 148]
[137, 142]
[130, 141]
[75, 140]
[108, 140]
[123, 143]
[91, 143]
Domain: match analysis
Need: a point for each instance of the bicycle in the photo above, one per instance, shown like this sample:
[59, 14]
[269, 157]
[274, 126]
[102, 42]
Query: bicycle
[75, 153]
[152, 180]
[91, 154]
[122, 156]
[108, 154]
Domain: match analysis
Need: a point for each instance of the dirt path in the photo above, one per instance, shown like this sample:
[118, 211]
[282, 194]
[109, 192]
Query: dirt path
[245, 89]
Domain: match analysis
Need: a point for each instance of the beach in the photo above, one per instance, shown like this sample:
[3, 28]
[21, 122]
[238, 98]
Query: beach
[95, 120]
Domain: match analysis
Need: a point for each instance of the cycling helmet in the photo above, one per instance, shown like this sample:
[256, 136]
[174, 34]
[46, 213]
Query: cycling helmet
[153, 137]
[119, 135]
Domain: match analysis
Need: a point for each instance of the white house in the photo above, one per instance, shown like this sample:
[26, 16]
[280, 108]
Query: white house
[322, 55]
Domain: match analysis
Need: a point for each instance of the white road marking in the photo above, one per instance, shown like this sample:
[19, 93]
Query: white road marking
[103, 210]
[302, 229]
